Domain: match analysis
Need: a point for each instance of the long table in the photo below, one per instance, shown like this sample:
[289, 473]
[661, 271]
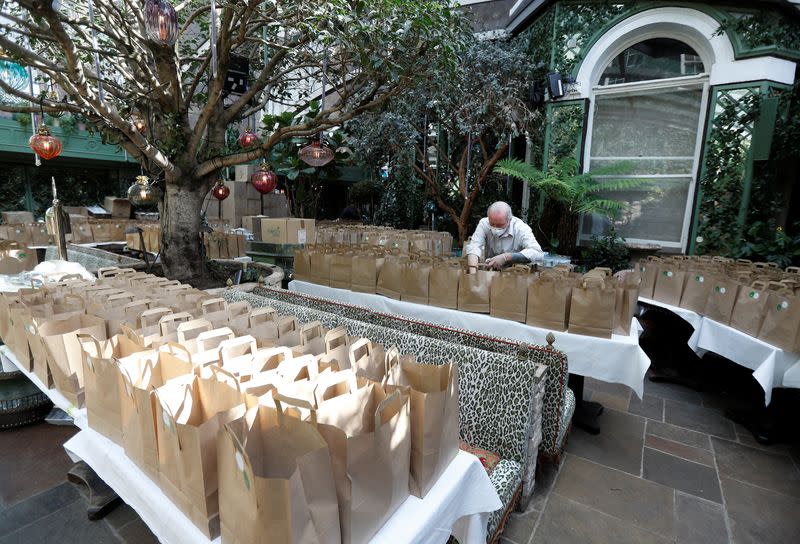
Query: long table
[459, 502]
[618, 359]
[772, 367]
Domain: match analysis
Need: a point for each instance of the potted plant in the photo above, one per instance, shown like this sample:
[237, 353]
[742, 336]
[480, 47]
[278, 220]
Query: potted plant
[577, 193]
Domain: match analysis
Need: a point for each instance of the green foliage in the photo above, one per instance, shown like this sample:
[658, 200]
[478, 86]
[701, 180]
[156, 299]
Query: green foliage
[402, 201]
[607, 251]
[366, 191]
[764, 28]
[766, 241]
[579, 193]
[68, 125]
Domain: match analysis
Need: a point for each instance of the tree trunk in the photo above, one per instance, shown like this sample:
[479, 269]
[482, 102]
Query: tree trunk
[567, 234]
[181, 254]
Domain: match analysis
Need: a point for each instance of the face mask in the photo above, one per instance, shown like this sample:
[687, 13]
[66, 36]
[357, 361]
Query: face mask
[499, 232]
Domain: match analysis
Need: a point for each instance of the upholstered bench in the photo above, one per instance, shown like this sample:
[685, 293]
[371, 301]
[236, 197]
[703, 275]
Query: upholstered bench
[497, 394]
[559, 400]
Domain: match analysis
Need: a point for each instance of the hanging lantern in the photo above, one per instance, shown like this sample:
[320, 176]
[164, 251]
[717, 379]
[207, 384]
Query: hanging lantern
[220, 191]
[161, 22]
[316, 154]
[15, 76]
[265, 180]
[248, 138]
[142, 193]
[139, 124]
[45, 144]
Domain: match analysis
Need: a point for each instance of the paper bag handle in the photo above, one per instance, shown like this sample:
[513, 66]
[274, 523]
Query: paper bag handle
[329, 380]
[262, 315]
[194, 324]
[88, 338]
[170, 319]
[73, 296]
[269, 353]
[215, 333]
[358, 349]
[309, 331]
[132, 335]
[382, 405]
[333, 336]
[249, 474]
[208, 302]
[216, 370]
[156, 313]
[291, 401]
[792, 270]
[173, 346]
[226, 346]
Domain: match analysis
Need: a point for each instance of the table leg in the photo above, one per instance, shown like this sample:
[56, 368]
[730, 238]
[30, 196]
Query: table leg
[586, 412]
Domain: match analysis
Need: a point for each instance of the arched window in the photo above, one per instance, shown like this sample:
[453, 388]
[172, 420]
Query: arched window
[646, 120]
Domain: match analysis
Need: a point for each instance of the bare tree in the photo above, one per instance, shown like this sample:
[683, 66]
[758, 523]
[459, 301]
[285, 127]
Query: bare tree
[110, 70]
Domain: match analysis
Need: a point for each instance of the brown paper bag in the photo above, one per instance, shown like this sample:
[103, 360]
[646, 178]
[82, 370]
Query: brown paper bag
[509, 294]
[669, 284]
[415, 280]
[443, 284]
[369, 437]
[474, 290]
[215, 310]
[275, 480]
[626, 289]
[367, 359]
[341, 269]
[649, 271]
[81, 232]
[39, 234]
[188, 418]
[696, 290]
[65, 355]
[721, 298]
[320, 263]
[435, 427]
[548, 302]
[101, 391]
[782, 319]
[101, 231]
[367, 267]
[750, 308]
[390, 279]
[591, 309]
[302, 266]
[337, 348]
[263, 326]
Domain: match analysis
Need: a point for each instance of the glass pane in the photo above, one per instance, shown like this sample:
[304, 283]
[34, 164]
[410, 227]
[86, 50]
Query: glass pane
[659, 58]
[655, 213]
[649, 136]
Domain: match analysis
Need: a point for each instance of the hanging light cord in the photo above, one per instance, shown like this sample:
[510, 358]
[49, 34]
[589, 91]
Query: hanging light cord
[324, 91]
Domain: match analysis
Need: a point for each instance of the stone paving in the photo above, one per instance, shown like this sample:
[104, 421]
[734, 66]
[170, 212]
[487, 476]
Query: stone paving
[667, 468]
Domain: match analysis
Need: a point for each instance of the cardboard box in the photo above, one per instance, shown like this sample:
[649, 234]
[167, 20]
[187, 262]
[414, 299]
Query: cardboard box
[16, 217]
[253, 224]
[274, 231]
[77, 210]
[119, 207]
[300, 231]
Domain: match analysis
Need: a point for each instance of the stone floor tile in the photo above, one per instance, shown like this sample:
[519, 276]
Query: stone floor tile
[121, 516]
[68, 525]
[672, 391]
[686, 476]
[543, 486]
[639, 502]
[759, 516]
[697, 418]
[698, 521]
[619, 444]
[32, 460]
[520, 525]
[615, 389]
[612, 400]
[648, 406]
[704, 457]
[36, 507]
[137, 532]
[679, 434]
[746, 437]
[566, 522]
[776, 472]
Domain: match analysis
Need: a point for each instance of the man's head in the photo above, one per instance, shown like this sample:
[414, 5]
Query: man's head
[499, 215]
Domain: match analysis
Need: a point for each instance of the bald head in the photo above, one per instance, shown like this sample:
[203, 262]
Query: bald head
[499, 214]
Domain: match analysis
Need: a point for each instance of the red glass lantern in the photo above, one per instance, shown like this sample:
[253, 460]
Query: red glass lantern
[45, 144]
[316, 154]
[139, 124]
[248, 138]
[220, 191]
[265, 180]
[161, 22]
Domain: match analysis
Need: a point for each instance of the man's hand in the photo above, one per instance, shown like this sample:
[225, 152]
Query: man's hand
[498, 262]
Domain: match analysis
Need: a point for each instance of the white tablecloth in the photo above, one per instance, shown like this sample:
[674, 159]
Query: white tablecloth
[460, 501]
[77, 414]
[772, 367]
[615, 360]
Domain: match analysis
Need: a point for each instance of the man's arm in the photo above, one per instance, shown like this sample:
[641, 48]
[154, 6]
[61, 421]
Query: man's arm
[531, 249]
[476, 245]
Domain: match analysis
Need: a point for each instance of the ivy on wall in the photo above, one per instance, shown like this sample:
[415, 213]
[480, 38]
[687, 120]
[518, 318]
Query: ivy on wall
[575, 25]
[566, 131]
[725, 171]
[764, 29]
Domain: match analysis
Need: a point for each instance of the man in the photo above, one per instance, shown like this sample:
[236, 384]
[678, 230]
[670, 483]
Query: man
[507, 240]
